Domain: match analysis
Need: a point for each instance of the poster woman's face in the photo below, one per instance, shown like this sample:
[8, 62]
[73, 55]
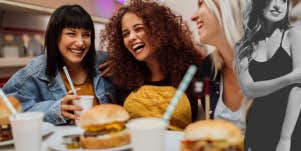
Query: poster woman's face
[276, 10]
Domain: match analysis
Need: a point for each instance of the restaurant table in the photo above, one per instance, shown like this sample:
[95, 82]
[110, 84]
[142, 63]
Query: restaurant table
[172, 142]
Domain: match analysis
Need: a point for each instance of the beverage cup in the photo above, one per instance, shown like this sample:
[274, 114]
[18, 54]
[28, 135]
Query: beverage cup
[26, 131]
[147, 134]
[86, 102]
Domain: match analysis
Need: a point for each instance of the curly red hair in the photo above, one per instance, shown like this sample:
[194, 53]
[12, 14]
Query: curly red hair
[167, 32]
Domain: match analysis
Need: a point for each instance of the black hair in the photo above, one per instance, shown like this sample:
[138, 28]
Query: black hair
[71, 16]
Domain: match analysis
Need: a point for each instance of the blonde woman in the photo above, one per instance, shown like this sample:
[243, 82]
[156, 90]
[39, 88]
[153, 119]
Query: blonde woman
[219, 25]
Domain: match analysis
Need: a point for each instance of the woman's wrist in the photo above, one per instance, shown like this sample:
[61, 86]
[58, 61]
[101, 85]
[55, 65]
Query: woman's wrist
[289, 79]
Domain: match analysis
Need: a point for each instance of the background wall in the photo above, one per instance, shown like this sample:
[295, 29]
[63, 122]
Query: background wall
[186, 8]
[99, 8]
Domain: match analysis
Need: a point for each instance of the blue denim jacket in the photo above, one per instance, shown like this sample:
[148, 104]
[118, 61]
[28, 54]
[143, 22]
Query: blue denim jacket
[37, 92]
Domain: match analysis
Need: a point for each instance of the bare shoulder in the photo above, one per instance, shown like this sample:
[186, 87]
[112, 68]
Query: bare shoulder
[294, 33]
[294, 37]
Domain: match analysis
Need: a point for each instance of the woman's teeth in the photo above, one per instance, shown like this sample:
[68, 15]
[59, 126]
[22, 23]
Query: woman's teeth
[76, 51]
[138, 47]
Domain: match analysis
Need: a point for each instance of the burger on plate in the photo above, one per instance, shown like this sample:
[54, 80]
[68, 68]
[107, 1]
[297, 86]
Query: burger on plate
[5, 128]
[104, 127]
[212, 135]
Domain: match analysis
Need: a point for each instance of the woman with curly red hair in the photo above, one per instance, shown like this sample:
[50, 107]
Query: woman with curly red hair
[150, 49]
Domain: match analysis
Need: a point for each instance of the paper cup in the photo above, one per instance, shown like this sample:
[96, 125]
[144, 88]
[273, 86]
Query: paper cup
[27, 131]
[86, 102]
[147, 134]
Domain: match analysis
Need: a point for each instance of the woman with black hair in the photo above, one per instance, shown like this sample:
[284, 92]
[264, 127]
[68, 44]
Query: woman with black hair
[268, 65]
[42, 85]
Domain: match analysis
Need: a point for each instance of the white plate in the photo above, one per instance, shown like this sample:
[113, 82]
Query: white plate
[46, 128]
[55, 142]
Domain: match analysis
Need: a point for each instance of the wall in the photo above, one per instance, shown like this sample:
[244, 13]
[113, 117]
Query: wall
[99, 8]
[186, 8]
[36, 22]
[29, 22]
[24, 20]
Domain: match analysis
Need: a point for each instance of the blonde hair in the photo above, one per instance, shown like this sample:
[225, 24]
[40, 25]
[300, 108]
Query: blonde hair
[229, 15]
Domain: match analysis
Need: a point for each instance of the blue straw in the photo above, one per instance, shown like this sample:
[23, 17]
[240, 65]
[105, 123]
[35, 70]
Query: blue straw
[8, 104]
[181, 89]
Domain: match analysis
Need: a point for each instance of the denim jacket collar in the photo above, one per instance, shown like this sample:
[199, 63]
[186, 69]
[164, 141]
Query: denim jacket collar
[56, 85]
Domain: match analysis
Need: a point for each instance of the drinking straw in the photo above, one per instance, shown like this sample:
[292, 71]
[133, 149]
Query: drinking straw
[69, 80]
[207, 99]
[181, 89]
[8, 104]
[198, 89]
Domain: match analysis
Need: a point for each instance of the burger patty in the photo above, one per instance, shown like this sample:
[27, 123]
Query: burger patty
[94, 131]
[231, 148]
[211, 146]
[95, 134]
[5, 133]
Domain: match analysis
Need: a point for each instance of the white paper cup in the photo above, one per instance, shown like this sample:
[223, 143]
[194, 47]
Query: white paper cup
[147, 134]
[27, 131]
[86, 102]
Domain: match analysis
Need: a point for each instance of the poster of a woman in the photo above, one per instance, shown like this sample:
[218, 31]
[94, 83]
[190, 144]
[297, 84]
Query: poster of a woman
[268, 66]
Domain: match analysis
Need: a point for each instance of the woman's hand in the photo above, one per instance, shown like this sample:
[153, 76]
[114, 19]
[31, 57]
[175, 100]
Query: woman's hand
[106, 69]
[67, 107]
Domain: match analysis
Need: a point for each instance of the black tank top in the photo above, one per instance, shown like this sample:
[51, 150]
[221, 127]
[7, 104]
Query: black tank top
[278, 65]
[266, 115]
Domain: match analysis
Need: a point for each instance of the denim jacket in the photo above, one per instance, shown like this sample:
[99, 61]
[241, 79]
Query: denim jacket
[38, 92]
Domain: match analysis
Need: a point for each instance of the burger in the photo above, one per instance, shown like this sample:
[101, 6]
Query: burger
[5, 128]
[212, 135]
[104, 127]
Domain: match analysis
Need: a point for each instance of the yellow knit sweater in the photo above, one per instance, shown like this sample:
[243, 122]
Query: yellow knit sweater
[152, 101]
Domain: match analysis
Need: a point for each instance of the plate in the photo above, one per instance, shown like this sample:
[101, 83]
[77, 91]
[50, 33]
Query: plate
[55, 141]
[46, 128]
[172, 142]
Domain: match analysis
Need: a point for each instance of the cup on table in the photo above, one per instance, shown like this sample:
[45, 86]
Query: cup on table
[86, 102]
[147, 134]
[26, 131]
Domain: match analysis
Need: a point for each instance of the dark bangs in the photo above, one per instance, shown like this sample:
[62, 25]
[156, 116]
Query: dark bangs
[71, 16]
[76, 18]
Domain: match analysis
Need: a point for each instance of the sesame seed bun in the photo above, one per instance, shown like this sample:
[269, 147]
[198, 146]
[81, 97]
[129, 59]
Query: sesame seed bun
[104, 114]
[205, 133]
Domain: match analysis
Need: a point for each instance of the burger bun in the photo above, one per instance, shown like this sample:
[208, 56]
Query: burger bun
[5, 112]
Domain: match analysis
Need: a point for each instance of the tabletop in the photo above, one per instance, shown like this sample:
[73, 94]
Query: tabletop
[172, 141]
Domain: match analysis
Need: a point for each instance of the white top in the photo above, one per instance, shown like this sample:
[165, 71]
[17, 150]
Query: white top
[223, 112]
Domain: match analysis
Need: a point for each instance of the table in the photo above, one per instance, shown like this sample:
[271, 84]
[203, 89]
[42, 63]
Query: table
[172, 139]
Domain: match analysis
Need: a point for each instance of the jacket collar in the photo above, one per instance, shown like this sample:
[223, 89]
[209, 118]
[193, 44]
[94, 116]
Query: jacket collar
[55, 84]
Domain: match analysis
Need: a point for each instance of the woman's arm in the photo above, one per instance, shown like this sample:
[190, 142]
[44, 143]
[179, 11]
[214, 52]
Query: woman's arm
[30, 102]
[294, 37]
[253, 89]
[232, 96]
[294, 103]
[27, 90]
